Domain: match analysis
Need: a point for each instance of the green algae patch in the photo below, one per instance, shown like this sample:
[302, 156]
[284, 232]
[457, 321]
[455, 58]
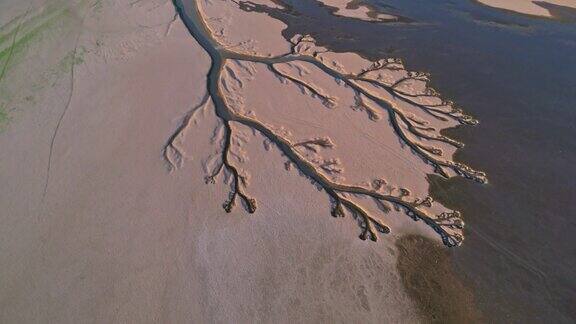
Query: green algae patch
[17, 48]
[71, 59]
[3, 117]
[37, 49]
[19, 33]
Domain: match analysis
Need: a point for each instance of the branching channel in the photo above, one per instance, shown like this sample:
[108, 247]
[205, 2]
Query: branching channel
[405, 88]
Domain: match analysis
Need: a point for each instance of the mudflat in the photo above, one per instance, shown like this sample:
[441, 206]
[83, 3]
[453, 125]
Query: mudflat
[184, 162]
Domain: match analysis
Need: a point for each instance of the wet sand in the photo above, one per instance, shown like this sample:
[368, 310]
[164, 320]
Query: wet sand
[429, 277]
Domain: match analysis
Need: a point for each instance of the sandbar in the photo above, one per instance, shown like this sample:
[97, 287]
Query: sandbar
[529, 7]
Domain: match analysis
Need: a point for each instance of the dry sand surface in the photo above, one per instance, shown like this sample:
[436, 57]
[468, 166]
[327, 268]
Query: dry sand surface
[528, 7]
[357, 9]
[238, 29]
[95, 226]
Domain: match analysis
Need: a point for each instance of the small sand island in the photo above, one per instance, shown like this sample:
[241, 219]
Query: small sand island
[138, 137]
[547, 8]
[359, 10]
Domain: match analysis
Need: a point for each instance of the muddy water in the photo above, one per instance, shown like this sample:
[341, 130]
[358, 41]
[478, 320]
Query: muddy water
[515, 74]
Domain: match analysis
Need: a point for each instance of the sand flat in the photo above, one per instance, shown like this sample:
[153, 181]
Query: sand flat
[110, 235]
[358, 10]
[107, 212]
[528, 7]
[78, 253]
[244, 31]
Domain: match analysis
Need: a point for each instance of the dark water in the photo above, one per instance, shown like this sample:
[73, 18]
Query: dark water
[517, 75]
